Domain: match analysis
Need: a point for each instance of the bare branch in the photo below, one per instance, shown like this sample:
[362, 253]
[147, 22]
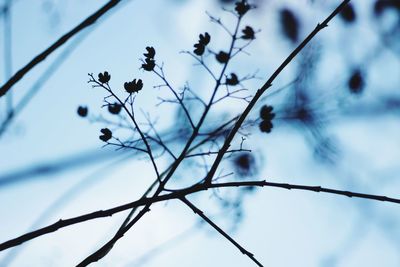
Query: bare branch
[132, 117]
[267, 85]
[108, 246]
[209, 153]
[167, 84]
[219, 230]
[183, 193]
[63, 39]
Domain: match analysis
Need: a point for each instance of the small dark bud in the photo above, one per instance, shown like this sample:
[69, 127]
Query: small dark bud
[82, 111]
[233, 80]
[106, 134]
[290, 25]
[245, 164]
[149, 64]
[199, 49]
[151, 52]
[266, 112]
[134, 86]
[242, 7]
[222, 57]
[265, 126]
[204, 39]
[104, 77]
[248, 33]
[348, 14]
[114, 108]
[356, 82]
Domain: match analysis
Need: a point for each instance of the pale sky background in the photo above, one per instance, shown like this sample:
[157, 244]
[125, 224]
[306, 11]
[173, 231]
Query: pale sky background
[282, 228]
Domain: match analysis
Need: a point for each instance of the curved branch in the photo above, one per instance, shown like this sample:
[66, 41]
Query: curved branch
[178, 195]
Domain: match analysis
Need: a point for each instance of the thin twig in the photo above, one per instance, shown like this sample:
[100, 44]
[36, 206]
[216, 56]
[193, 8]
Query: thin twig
[166, 83]
[132, 117]
[8, 62]
[209, 153]
[219, 230]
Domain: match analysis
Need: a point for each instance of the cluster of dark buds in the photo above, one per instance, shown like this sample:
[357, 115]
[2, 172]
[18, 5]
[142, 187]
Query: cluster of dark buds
[149, 62]
[104, 77]
[106, 134]
[201, 45]
[266, 115]
[134, 86]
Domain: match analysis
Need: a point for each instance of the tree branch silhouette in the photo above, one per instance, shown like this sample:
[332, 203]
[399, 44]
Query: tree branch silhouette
[219, 230]
[8, 62]
[62, 40]
[97, 255]
[147, 201]
[32, 91]
[223, 57]
[267, 85]
[199, 141]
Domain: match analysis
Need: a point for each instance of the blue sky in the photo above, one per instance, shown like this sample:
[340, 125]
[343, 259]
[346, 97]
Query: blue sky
[282, 228]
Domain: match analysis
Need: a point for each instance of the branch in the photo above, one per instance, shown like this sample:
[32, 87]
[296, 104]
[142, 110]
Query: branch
[215, 132]
[8, 45]
[180, 100]
[63, 39]
[219, 230]
[179, 194]
[100, 253]
[41, 170]
[209, 153]
[267, 85]
[132, 117]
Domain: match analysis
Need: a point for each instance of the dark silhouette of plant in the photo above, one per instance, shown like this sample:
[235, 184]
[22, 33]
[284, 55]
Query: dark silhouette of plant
[290, 24]
[356, 82]
[63, 39]
[106, 134]
[82, 111]
[201, 135]
[202, 43]
[114, 108]
[266, 116]
[149, 62]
